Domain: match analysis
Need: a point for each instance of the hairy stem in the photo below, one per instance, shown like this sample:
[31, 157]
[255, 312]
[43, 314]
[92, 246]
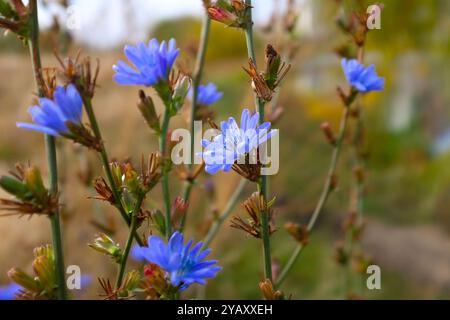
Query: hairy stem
[259, 104]
[33, 44]
[131, 235]
[196, 79]
[105, 160]
[224, 215]
[327, 189]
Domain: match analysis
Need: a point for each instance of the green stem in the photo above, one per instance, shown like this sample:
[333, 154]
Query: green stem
[131, 236]
[33, 43]
[105, 160]
[265, 234]
[327, 189]
[224, 215]
[196, 79]
[165, 171]
[259, 104]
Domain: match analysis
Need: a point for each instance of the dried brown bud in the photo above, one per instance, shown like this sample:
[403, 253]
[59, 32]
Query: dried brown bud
[328, 132]
[179, 209]
[255, 206]
[147, 108]
[269, 292]
[104, 191]
[299, 232]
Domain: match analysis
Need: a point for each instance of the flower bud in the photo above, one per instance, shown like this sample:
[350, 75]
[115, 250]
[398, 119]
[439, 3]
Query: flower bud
[158, 220]
[107, 246]
[147, 108]
[13, 186]
[222, 15]
[180, 92]
[269, 292]
[44, 268]
[179, 209]
[34, 182]
[23, 279]
[328, 132]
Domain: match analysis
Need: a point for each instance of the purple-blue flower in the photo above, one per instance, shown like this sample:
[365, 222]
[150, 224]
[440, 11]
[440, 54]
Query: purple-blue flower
[51, 116]
[207, 94]
[361, 78]
[234, 142]
[137, 253]
[150, 63]
[8, 292]
[184, 265]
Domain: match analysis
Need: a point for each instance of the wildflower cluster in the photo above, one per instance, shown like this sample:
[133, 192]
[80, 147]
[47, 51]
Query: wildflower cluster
[170, 265]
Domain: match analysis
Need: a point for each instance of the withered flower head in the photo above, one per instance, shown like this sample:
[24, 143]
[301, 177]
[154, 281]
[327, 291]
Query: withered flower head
[125, 291]
[79, 73]
[136, 182]
[31, 196]
[265, 83]
[255, 206]
[104, 191]
[247, 169]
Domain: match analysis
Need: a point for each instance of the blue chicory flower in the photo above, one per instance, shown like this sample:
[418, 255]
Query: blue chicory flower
[234, 142]
[137, 253]
[207, 94]
[151, 63]
[9, 292]
[364, 79]
[51, 116]
[183, 264]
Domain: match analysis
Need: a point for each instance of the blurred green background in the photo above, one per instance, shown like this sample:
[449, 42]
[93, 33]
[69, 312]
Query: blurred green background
[407, 140]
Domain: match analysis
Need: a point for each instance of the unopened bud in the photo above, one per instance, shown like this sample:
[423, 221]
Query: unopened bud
[328, 132]
[179, 209]
[23, 279]
[33, 180]
[269, 292]
[13, 186]
[180, 92]
[147, 108]
[158, 221]
[107, 246]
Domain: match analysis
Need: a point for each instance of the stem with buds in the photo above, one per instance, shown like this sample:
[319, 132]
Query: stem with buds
[33, 44]
[131, 235]
[262, 185]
